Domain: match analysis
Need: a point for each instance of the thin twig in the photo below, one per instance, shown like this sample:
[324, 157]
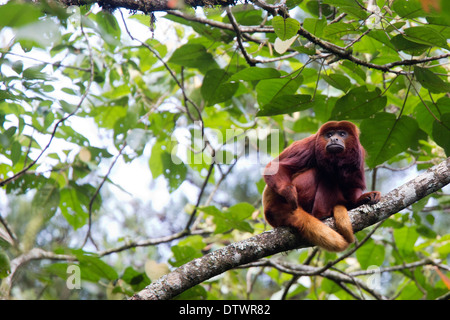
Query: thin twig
[202, 190]
[234, 23]
[55, 64]
[97, 191]
[152, 241]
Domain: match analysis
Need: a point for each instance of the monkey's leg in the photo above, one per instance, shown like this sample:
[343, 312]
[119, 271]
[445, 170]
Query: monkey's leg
[343, 224]
[316, 232]
[279, 213]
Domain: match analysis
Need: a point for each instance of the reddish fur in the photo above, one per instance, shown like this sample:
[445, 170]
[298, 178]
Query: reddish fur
[305, 178]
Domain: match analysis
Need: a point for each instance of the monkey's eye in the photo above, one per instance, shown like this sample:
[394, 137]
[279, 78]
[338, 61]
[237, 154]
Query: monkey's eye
[329, 134]
[343, 134]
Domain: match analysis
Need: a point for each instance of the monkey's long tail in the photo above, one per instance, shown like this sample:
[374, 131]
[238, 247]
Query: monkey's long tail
[319, 234]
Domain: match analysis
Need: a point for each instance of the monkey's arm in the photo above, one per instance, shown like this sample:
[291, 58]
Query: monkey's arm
[278, 178]
[278, 174]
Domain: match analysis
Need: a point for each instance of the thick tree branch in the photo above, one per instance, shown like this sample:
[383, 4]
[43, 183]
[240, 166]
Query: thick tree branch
[282, 239]
[340, 52]
[149, 6]
[170, 6]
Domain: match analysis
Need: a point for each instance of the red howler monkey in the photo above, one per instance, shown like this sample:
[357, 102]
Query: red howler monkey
[317, 177]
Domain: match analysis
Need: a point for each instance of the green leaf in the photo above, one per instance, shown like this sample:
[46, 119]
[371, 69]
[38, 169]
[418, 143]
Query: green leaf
[46, 200]
[183, 254]
[246, 15]
[285, 28]
[34, 73]
[94, 269]
[426, 115]
[338, 81]
[5, 266]
[426, 35]
[439, 20]
[405, 239]
[255, 74]
[329, 286]
[233, 218]
[18, 67]
[15, 14]
[137, 280]
[370, 254]
[303, 49]
[72, 209]
[410, 291]
[269, 89]
[109, 26]
[339, 29]
[441, 132]
[315, 26]
[195, 242]
[341, 3]
[285, 104]
[105, 116]
[58, 269]
[174, 170]
[359, 103]
[155, 163]
[431, 81]
[426, 232]
[193, 56]
[381, 36]
[118, 92]
[215, 88]
[410, 47]
[306, 124]
[385, 136]
[408, 9]
[354, 71]
[241, 211]
[167, 164]
[162, 124]
[348, 6]
[16, 152]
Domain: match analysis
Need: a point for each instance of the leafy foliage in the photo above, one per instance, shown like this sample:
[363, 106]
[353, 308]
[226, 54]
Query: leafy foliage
[114, 147]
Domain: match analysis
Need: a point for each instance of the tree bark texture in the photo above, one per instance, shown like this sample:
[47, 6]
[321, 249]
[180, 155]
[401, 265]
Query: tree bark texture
[283, 239]
[148, 6]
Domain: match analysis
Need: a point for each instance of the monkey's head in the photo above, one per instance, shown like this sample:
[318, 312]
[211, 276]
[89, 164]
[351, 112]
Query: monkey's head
[338, 141]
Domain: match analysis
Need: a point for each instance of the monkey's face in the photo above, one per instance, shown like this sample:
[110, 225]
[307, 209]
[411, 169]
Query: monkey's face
[335, 140]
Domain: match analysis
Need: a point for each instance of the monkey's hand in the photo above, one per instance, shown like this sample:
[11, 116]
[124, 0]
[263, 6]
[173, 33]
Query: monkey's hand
[290, 194]
[372, 197]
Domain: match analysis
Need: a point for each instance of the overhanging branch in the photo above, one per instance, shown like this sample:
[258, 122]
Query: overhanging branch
[149, 6]
[282, 239]
[171, 6]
